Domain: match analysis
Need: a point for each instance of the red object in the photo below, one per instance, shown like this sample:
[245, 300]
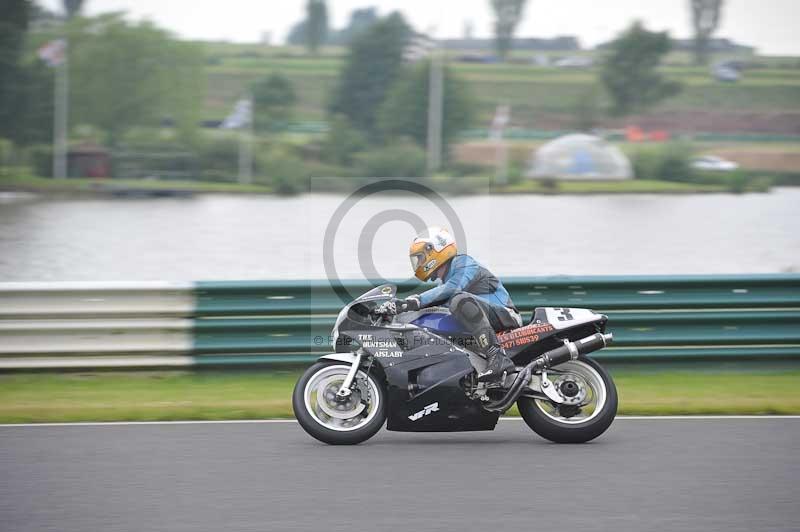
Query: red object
[635, 134]
[659, 135]
[89, 160]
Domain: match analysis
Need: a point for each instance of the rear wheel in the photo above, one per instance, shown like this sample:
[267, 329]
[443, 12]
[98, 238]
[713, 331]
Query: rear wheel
[333, 420]
[590, 403]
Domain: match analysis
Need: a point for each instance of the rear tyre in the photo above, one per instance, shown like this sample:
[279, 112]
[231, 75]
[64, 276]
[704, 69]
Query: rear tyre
[569, 423]
[338, 422]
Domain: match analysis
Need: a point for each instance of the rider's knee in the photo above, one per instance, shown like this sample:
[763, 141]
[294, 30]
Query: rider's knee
[464, 305]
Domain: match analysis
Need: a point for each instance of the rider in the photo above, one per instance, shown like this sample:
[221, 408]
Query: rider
[474, 295]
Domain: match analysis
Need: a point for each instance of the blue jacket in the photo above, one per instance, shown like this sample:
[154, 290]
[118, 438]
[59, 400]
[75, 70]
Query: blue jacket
[465, 274]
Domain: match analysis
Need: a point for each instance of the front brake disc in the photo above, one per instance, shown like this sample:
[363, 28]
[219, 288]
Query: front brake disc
[328, 403]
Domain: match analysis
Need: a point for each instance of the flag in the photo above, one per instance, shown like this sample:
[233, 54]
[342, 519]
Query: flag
[419, 48]
[502, 117]
[241, 116]
[54, 53]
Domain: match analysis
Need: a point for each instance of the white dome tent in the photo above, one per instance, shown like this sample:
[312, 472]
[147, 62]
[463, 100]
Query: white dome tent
[579, 156]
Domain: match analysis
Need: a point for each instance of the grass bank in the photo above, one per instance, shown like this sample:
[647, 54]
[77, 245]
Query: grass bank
[109, 186]
[533, 92]
[144, 186]
[252, 395]
[632, 186]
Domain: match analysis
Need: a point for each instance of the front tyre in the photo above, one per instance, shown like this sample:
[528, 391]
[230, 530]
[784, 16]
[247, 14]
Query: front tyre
[330, 420]
[587, 385]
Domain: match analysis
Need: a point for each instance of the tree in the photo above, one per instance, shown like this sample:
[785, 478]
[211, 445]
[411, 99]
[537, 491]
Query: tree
[273, 98]
[33, 121]
[297, 35]
[316, 28]
[405, 111]
[14, 20]
[72, 7]
[132, 74]
[342, 142]
[705, 19]
[360, 20]
[508, 14]
[373, 63]
[629, 72]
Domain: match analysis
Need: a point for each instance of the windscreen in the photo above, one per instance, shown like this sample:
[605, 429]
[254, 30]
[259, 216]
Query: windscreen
[385, 291]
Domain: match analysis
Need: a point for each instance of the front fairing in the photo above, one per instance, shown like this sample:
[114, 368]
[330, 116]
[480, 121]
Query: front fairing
[422, 369]
[354, 315]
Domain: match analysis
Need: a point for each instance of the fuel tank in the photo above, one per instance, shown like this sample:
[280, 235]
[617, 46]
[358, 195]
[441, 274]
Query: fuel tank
[440, 322]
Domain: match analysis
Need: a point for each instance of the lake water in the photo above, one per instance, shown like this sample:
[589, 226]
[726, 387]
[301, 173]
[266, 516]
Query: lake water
[217, 237]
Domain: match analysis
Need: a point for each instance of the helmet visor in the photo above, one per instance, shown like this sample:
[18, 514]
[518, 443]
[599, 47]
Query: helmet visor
[416, 260]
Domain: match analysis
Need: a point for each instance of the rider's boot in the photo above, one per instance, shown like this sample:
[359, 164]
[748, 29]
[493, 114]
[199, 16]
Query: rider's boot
[496, 363]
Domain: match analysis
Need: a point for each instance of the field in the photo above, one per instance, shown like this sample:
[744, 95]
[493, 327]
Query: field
[74, 186]
[767, 99]
[231, 395]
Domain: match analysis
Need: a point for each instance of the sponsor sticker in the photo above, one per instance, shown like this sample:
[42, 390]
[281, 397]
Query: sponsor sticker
[524, 335]
[386, 353]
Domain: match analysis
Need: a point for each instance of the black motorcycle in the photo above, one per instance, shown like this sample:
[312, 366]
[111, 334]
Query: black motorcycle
[416, 371]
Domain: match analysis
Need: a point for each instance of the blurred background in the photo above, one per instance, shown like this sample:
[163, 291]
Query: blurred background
[172, 172]
[198, 143]
[146, 141]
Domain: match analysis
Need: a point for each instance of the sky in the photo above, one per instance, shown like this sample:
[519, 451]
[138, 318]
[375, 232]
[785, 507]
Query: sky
[769, 25]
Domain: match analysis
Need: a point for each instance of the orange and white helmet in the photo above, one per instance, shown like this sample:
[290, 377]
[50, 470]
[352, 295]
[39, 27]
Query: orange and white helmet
[431, 249]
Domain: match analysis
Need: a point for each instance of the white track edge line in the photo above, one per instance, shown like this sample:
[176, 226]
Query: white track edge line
[134, 423]
[261, 421]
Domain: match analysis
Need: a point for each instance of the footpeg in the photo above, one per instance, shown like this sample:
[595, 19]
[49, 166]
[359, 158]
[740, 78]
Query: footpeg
[497, 365]
[522, 379]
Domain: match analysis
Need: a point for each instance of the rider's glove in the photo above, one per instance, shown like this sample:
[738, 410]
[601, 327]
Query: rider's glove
[387, 308]
[409, 304]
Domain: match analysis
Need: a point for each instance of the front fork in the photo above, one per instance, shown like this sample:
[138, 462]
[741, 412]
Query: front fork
[345, 388]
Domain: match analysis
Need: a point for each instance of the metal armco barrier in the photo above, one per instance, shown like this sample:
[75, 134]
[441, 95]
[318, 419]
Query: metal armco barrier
[655, 319]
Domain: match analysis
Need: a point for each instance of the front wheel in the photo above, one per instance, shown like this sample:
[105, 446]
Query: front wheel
[589, 409]
[334, 421]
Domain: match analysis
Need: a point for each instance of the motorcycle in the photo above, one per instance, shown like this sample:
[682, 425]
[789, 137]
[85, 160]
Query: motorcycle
[416, 371]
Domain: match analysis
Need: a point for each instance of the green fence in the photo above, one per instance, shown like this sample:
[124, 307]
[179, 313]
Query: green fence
[655, 319]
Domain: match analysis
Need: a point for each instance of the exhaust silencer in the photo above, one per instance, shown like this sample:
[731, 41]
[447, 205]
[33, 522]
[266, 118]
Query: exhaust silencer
[568, 351]
[572, 350]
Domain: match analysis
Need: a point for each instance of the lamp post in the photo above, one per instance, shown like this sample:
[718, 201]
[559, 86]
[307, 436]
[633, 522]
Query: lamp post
[55, 54]
[435, 111]
[61, 117]
[497, 134]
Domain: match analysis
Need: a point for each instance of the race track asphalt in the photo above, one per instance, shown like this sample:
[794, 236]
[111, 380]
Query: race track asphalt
[643, 475]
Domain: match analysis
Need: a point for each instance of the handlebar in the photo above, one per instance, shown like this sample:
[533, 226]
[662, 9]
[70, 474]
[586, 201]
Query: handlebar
[384, 312]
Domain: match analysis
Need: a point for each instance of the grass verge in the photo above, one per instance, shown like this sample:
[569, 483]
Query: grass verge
[103, 187]
[629, 186]
[107, 186]
[26, 398]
